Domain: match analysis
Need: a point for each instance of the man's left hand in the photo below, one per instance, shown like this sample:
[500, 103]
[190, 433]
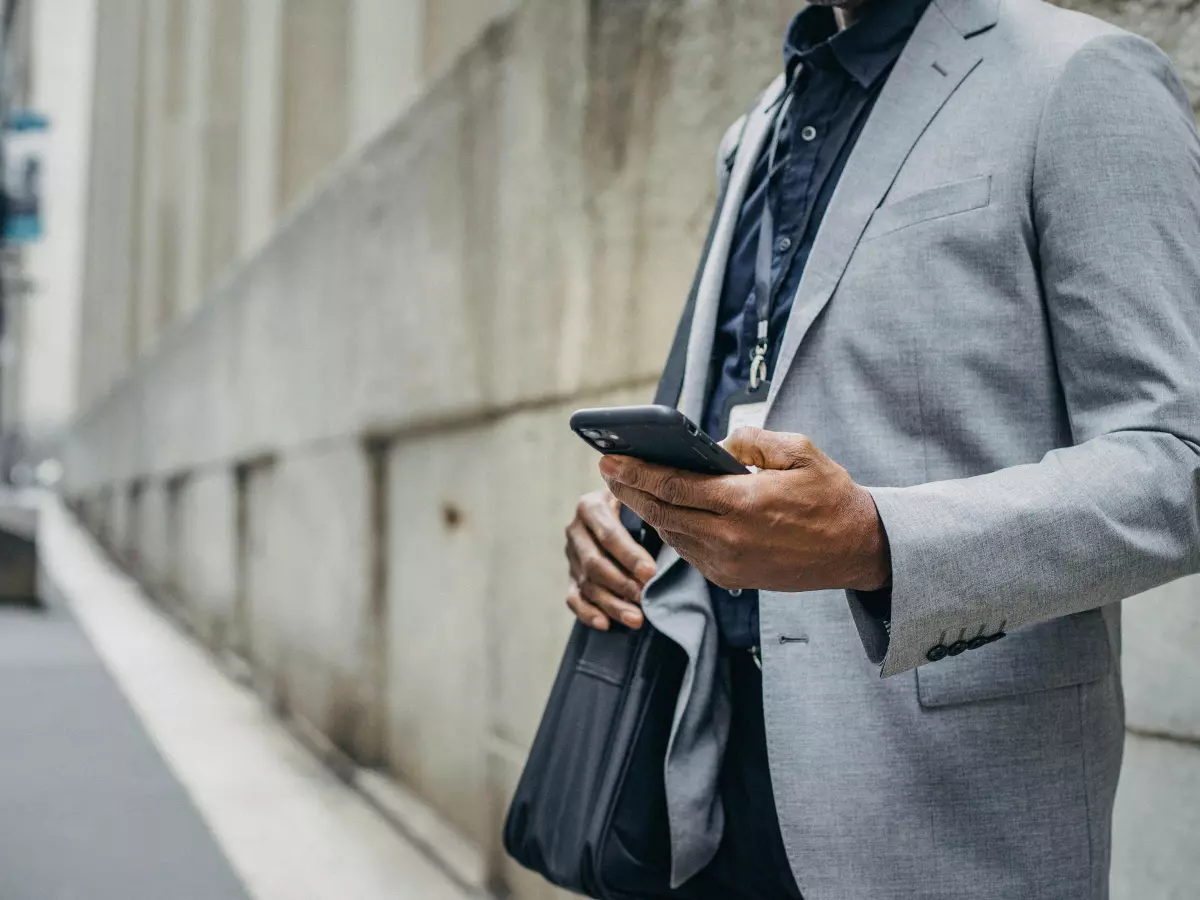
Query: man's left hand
[798, 524]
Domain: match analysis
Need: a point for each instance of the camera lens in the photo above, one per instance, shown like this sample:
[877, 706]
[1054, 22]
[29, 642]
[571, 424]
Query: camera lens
[604, 445]
[592, 433]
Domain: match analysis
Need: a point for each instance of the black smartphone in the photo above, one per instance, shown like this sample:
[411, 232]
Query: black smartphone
[655, 434]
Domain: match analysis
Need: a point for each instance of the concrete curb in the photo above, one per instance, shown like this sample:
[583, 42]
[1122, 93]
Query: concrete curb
[263, 782]
[403, 810]
[416, 821]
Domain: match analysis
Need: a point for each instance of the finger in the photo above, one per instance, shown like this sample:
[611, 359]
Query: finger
[688, 549]
[676, 487]
[602, 519]
[699, 556]
[573, 566]
[591, 565]
[662, 515]
[770, 449]
[685, 545]
[611, 605]
[584, 611]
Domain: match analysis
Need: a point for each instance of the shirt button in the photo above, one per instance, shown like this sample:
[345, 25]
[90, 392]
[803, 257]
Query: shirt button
[735, 592]
[783, 244]
[808, 132]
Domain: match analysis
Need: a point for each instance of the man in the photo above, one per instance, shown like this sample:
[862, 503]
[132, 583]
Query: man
[959, 250]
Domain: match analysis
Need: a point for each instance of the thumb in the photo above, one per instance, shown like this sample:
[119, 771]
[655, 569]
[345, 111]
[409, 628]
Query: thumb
[769, 449]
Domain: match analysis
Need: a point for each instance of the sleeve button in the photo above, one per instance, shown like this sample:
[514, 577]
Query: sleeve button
[936, 653]
[976, 642]
[956, 648]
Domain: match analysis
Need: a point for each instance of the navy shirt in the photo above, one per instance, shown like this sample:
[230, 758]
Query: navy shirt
[836, 78]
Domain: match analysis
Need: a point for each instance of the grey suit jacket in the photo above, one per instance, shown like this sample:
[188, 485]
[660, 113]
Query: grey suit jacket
[999, 329]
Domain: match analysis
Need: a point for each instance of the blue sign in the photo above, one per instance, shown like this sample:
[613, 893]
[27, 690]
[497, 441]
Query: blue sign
[24, 131]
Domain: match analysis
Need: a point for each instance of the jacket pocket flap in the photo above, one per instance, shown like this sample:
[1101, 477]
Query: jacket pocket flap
[943, 200]
[1062, 652]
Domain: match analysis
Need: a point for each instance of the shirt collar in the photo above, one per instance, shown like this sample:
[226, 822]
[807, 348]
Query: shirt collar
[865, 50]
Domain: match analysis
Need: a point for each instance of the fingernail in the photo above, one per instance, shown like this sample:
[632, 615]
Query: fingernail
[600, 623]
[632, 619]
[608, 466]
[645, 571]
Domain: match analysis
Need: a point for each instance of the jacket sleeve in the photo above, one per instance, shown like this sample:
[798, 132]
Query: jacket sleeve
[1116, 204]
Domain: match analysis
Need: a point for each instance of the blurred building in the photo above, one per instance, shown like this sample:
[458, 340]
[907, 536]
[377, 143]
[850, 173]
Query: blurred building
[40, 273]
[345, 268]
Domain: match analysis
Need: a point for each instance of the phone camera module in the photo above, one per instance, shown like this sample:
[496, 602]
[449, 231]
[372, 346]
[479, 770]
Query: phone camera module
[592, 433]
[603, 444]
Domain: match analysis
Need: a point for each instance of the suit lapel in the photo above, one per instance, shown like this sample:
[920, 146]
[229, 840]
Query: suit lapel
[708, 299]
[935, 61]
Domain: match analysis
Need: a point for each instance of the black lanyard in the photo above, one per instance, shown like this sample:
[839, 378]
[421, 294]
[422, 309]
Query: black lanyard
[764, 288]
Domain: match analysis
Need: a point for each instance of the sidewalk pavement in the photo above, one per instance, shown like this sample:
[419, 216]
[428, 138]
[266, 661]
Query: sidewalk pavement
[133, 769]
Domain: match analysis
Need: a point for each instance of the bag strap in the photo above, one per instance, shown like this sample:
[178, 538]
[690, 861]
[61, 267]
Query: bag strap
[670, 385]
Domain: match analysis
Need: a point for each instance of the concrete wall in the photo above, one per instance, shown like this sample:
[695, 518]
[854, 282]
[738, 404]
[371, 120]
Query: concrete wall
[213, 119]
[350, 465]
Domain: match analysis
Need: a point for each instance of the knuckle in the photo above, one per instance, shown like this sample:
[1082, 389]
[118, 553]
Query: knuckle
[743, 433]
[736, 538]
[729, 540]
[671, 490]
[592, 566]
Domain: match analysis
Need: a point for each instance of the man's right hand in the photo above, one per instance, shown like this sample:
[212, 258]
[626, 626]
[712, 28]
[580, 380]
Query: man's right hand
[608, 567]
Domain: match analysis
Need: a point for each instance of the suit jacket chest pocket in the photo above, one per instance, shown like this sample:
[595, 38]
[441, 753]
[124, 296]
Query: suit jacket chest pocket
[934, 203]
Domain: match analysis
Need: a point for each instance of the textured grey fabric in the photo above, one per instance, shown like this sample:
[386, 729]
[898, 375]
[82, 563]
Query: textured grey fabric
[999, 330]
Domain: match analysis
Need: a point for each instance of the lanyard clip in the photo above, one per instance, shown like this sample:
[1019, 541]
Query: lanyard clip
[758, 365]
[758, 357]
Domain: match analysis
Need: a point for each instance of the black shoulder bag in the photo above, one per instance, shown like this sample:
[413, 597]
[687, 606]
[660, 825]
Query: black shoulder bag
[589, 813]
